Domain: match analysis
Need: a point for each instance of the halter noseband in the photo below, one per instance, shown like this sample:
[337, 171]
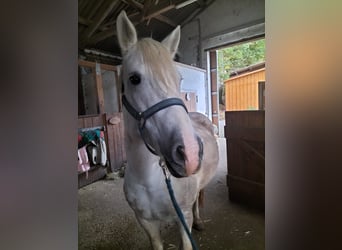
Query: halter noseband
[141, 117]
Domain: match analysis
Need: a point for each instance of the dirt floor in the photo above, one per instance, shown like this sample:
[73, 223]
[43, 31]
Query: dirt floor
[105, 221]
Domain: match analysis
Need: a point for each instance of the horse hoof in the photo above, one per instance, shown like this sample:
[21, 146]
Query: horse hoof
[199, 226]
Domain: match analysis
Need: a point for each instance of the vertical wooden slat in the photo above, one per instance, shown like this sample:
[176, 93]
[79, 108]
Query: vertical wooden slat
[245, 135]
[118, 89]
[116, 140]
[99, 88]
[214, 89]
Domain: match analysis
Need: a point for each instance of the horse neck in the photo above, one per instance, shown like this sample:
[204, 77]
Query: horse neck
[141, 162]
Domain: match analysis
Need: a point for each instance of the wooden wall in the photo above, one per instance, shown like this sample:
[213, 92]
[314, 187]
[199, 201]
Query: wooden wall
[245, 138]
[242, 92]
[112, 121]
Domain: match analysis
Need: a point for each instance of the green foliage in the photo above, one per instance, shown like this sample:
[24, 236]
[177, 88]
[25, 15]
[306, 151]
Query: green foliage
[239, 56]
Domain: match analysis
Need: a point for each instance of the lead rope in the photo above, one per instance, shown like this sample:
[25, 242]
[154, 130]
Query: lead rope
[174, 202]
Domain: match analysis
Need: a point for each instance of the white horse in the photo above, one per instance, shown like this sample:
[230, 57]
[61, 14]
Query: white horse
[184, 140]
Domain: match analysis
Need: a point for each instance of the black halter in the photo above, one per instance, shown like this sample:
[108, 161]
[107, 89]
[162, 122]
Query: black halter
[141, 117]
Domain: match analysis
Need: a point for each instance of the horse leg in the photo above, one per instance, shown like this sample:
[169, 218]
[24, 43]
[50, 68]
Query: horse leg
[152, 229]
[198, 223]
[186, 244]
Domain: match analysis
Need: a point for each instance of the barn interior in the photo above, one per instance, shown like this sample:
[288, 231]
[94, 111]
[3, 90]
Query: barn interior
[233, 210]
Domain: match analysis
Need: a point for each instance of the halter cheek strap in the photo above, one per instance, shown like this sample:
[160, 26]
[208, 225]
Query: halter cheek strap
[141, 117]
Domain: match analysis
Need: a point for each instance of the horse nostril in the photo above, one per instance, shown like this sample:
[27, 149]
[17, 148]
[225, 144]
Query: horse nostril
[180, 151]
[179, 154]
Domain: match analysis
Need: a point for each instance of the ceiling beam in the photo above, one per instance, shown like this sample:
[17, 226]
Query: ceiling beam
[84, 21]
[154, 12]
[145, 10]
[109, 30]
[104, 26]
[101, 36]
[101, 15]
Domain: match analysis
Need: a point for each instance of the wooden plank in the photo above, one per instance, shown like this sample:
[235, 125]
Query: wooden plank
[153, 12]
[99, 88]
[97, 121]
[84, 63]
[109, 67]
[213, 86]
[80, 123]
[88, 123]
[245, 140]
[253, 149]
[246, 192]
[103, 66]
[118, 88]
[116, 141]
[249, 134]
[242, 118]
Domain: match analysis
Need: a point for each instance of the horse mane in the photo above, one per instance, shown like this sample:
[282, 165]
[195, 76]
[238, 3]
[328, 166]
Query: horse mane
[159, 63]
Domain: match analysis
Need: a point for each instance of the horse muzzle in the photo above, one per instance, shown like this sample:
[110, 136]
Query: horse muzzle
[185, 160]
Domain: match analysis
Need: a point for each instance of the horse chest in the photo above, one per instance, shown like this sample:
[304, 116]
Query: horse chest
[149, 201]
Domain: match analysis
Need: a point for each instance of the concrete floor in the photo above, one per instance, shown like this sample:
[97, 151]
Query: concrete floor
[105, 221]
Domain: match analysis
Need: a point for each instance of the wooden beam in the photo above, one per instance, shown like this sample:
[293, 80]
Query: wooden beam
[99, 18]
[166, 20]
[101, 36]
[84, 21]
[144, 10]
[156, 12]
[146, 7]
[111, 31]
[95, 8]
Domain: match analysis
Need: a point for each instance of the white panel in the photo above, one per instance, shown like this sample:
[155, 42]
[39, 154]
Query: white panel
[194, 80]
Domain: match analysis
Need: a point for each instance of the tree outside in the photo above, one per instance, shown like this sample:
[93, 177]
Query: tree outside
[239, 56]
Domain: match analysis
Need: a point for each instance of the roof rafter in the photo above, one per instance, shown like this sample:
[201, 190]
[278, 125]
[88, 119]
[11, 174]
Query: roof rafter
[101, 15]
[145, 12]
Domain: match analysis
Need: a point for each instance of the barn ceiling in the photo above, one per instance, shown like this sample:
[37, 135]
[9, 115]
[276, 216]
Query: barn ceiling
[152, 18]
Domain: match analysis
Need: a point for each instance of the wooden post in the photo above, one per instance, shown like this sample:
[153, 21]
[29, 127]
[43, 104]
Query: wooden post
[99, 88]
[214, 89]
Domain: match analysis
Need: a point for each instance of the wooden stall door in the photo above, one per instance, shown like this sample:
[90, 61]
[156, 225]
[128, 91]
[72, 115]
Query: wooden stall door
[245, 138]
[96, 172]
[116, 147]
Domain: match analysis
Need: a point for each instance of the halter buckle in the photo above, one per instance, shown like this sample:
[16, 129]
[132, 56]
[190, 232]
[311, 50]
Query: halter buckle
[166, 171]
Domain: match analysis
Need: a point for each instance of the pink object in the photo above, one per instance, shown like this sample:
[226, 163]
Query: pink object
[83, 161]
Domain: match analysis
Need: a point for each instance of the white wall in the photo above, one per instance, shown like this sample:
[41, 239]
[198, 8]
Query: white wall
[193, 80]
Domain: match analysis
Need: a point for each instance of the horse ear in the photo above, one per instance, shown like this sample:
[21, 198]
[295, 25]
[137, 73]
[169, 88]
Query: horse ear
[171, 42]
[127, 35]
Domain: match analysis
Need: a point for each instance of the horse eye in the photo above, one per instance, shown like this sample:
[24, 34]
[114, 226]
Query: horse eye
[135, 79]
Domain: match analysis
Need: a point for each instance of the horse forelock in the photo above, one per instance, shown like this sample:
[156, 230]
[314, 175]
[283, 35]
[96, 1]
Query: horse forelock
[159, 64]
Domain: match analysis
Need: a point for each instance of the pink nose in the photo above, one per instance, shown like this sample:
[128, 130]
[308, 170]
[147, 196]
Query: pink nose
[191, 152]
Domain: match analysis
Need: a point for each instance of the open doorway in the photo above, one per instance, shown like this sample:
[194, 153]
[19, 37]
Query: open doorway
[240, 78]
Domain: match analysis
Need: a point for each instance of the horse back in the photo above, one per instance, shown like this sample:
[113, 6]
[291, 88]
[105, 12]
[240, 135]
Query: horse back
[205, 129]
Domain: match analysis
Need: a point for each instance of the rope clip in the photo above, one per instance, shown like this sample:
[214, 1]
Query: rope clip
[166, 171]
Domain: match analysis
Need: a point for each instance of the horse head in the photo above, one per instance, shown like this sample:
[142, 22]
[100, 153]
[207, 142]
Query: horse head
[149, 77]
